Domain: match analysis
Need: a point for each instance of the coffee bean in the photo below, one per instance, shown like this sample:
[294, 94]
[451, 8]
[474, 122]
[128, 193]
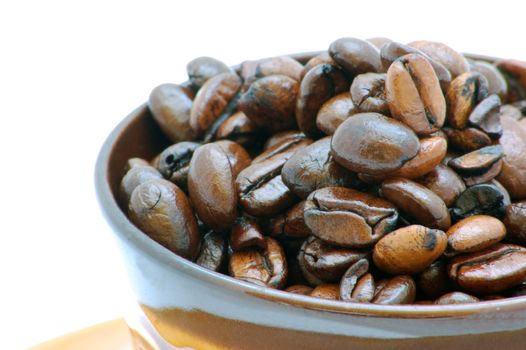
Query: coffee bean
[201, 69]
[443, 54]
[479, 166]
[174, 162]
[434, 280]
[397, 290]
[409, 250]
[348, 218]
[515, 221]
[456, 298]
[368, 94]
[246, 234]
[299, 289]
[474, 233]
[364, 289]
[487, 198]
[496, 83]
[133, 178]
[291, 224]
[371, 143]
[492, 270]
[356, 56]
[445, 183]
[328, 291]
[213, 251]
[464, 93]
[414, 95]
[133, 162]
[283, 149]
[162, 211]
[513, 174]
[238, 128]
[350, 279]
[280, 65]
[322, 58]
[278, 138]
[514, 72]
[486, 116]
[334, 112]
[467, 140]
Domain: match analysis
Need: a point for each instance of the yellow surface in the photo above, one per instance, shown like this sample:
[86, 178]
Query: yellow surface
[111, 335]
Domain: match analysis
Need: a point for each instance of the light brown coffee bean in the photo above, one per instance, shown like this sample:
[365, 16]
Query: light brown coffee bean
[464, 93]
[467, 140]
[299, 289]
[245, 234]
[397, 290]
[328, 291]
[445, 183]
[474, 233]
[456, 298]
[322, 58]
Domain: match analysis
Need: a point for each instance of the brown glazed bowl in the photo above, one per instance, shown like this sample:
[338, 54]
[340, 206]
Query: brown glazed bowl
[181, 305]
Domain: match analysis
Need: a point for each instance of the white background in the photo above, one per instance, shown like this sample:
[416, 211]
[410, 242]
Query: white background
[70, 70]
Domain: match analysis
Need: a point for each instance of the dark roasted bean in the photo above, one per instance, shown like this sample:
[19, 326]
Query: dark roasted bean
[487, 198]
[479, 166]
[434, 281]
[291, 224]
[515, 221]
[174, 162]
[486, 116]
[496, 83]
[464, 93]
[238, 128]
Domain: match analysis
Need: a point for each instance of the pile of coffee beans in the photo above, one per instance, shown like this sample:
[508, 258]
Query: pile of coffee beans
[376, 172]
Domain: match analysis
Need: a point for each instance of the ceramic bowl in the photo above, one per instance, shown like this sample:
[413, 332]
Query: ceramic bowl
[183, 306]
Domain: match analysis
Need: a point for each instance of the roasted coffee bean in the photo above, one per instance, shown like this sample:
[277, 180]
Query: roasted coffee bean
[465, 92]
[201, 69]
[487, 198]
[213, 251]
[328, 291]
[467, 140]
[313, 167]
[348, 218]
[322, 58]
[443, 54]
[211, 176]
[174, 162]
[496, 83]
[133, 162]
[364, 289]
[162, 211]
[283, 149]
[434, 280]
[326, 262]
[492, 270]
[212, 100]
[392, 51]
[397, 290]
[456, 298]
[270, 103]
[515, 221]
[334, 112]
[513, 173]
[266, 268]
[356, 56]
[350, 279]
[409, 250]
[368, 94]
[319, 84]
[291, 224]
[278, 138]
[379, 42]
[445, 183]
[280, 65]
[514, 72]
[299, 289]
[479, 166]
[170, 107]
[245, 234]
[371, 143]
[486, 116]
[416, 202]
[238, 128]
[414, 95]
[133, 178]
[474, 233]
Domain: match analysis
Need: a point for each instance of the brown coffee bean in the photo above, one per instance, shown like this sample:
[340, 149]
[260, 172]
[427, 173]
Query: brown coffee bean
[213, 251]
[467, 140]
[212, 100]
[347, 217]
[162, 211]
[313, 167]
[456, 298]
[174, 162]
[322, 58]
[278, 138]
[133, 162]
[443, 54]
[211, 176]
[270, 103]
[414, 95]
[356, 56]
[283, 149]
[170, 107]
[465, 92]
[409, 250]
[416, 202]
[474, 233]
[371, 143]
[479, 166]
[445, 183]
[319, 84]
[368, 94]
[515, 221]
[325, 262]
[238, 128]
[492, 270]
[434, 281]
[326, 291]
[397, 290]
[299, 289]
[364, 289]
[488, 198]
[291, 224]
[513, 174]
[201, 69]
[266, 268]
[350, 279]
[496, 83]
[486, 116]
[334, 112]
[379, 42]
[392, 51]
[133, 178]
[246, 234]
[514, 72]
[280, 65]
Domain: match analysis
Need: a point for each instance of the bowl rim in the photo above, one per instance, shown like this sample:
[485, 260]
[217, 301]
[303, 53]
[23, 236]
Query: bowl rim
[137, 240]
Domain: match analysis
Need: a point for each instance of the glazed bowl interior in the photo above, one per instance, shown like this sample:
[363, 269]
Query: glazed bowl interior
[139, 136]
